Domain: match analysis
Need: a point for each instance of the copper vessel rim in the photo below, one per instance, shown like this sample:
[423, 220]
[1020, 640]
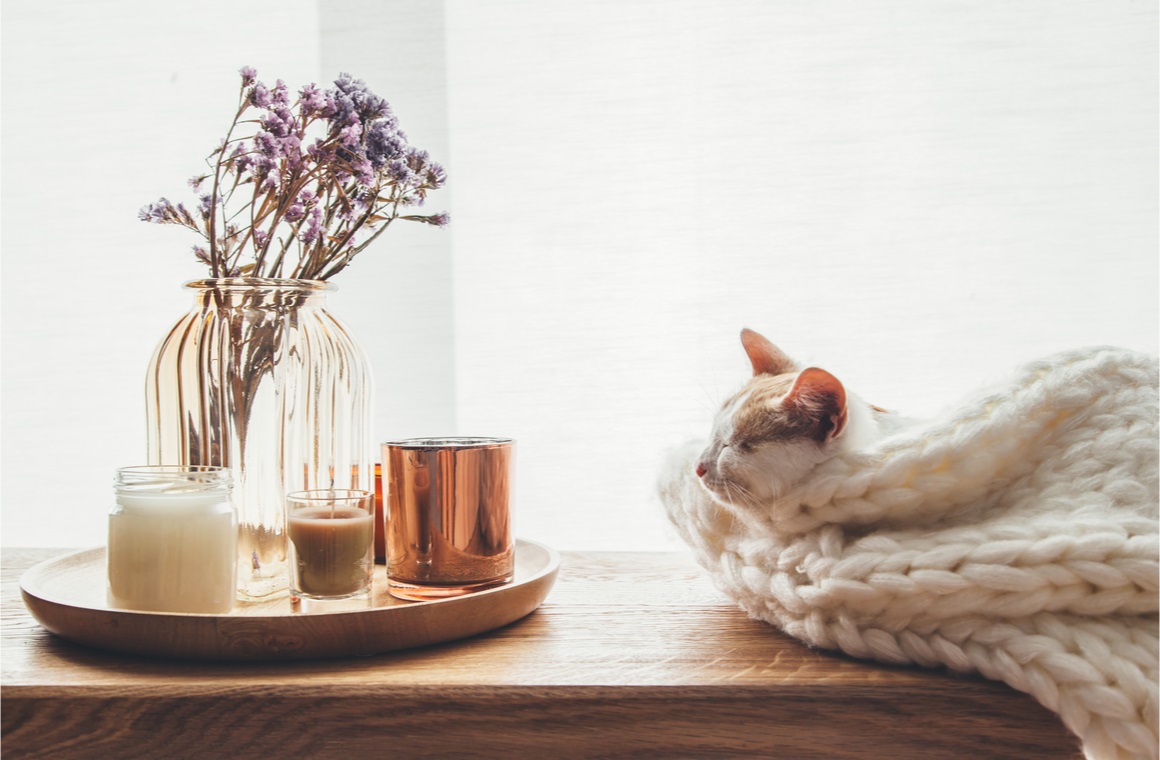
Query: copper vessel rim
[449, 442]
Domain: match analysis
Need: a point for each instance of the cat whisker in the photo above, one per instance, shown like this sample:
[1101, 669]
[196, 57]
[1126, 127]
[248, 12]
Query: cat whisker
[713, 401]
[739, 494]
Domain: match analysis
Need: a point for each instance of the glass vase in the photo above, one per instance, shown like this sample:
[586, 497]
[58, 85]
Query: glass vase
[260, 378]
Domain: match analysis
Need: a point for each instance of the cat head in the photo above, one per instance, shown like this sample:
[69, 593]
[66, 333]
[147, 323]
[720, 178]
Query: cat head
[783, 423]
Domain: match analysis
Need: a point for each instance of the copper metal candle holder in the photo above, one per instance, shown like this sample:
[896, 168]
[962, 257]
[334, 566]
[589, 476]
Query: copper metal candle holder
[448, 515]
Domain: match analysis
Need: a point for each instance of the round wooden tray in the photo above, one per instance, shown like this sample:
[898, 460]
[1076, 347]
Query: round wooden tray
[67, 596]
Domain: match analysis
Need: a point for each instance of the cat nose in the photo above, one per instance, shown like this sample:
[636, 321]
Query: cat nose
[701, 470]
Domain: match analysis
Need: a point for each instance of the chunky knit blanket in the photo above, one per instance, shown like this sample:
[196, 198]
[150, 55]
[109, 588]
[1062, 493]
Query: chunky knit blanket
[1015, 536]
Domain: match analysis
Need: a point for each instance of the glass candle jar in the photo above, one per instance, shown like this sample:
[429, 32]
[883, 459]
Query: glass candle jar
[172, 540]
[332, 541]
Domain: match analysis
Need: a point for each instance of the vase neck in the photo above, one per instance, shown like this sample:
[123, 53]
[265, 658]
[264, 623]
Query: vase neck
[260, 292]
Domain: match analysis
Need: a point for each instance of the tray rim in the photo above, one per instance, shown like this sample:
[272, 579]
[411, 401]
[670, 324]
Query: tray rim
[286, 635]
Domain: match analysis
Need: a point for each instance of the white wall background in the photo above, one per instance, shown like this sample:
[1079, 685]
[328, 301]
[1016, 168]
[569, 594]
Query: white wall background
[915, 195]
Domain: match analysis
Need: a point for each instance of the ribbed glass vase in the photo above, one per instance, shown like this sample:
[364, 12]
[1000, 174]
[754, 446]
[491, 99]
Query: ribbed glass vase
[260, 378]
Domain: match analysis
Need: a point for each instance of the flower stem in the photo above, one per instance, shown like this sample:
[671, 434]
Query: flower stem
[215, 265]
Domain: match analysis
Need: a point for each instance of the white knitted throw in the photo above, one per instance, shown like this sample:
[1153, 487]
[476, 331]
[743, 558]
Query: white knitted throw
[1015, 536]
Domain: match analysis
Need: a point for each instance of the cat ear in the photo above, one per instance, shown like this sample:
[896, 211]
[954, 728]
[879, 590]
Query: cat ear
[820, 397]
[766, 358]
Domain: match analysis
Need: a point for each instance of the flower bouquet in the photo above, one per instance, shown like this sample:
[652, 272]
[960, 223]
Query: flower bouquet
[259, 377]
[308, 188]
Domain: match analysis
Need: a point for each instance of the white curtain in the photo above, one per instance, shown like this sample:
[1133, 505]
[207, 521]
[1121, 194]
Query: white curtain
[914, 195]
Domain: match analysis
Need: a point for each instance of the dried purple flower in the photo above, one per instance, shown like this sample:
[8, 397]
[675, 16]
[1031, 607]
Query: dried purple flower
[260, 96]
[279, 121]
[364, 174]
[384, 143]
[399, 171]
[351, 134]
[307, 212]
[353, 96]
[434, 175]
[313, 226]
[267, 145]
[280, 94]
[313, 102]
[154, 212]
[164, 212]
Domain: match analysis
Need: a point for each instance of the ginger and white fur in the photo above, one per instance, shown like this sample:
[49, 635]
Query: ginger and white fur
[780, 426]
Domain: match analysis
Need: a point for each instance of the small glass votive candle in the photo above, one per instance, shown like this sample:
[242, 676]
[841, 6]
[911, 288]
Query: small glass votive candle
[172, 540]
[448, 504]
[331, 534]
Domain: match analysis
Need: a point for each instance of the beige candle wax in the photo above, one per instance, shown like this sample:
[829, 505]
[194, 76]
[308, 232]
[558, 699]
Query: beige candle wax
[172, 540]
[333, 550]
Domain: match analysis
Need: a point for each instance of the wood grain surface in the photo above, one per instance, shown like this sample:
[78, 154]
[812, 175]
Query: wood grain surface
[632, 655]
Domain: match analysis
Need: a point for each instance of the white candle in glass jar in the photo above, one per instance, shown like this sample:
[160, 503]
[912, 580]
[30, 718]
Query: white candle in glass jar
[172, 540]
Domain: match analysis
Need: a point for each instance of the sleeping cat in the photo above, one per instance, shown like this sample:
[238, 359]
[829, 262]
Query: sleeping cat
[783, 423]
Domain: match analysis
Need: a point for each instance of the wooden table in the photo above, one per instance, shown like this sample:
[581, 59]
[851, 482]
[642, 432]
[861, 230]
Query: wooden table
[632, 655]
